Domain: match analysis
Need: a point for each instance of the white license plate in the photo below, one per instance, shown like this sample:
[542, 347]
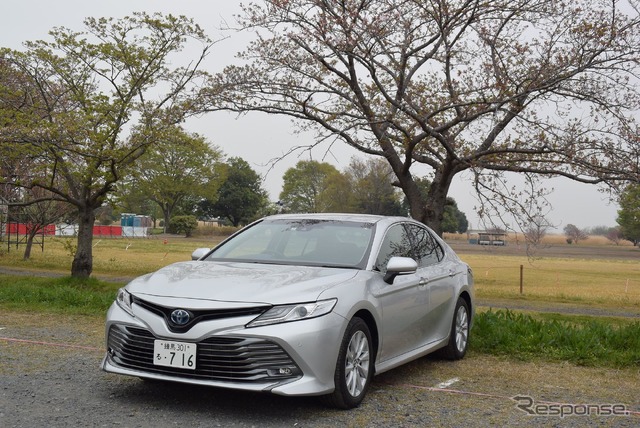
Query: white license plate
[174, 354]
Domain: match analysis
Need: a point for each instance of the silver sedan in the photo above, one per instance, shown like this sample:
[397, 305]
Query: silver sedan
[309, 304]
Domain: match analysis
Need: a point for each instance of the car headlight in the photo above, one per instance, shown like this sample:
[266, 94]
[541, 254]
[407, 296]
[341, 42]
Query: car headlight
[123, 298]
[295, 312]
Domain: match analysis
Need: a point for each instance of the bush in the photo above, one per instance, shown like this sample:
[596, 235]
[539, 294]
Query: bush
[590, 343]
[207, 231]
[87, 296]
[183, 224]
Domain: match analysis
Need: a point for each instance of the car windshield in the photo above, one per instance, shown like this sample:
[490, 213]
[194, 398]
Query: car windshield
[301, 241]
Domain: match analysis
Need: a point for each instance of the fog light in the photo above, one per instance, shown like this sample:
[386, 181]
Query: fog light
[284, 371]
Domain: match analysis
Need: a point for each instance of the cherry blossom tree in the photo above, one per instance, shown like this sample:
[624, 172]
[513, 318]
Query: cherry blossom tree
[540, 88]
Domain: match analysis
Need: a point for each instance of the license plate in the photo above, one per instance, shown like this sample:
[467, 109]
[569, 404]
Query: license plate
[174, 354]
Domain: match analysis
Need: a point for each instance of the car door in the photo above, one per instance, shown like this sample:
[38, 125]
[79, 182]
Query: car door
[404, 303]
[437, 279]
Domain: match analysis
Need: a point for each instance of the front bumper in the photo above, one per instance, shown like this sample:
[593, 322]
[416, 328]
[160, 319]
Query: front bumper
[296, 358]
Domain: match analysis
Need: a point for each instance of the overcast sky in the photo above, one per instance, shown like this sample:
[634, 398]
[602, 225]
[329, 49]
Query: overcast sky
[258, 138]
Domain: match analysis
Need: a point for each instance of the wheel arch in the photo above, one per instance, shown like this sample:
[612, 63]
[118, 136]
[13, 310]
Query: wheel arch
[466, 296]
[368, 318]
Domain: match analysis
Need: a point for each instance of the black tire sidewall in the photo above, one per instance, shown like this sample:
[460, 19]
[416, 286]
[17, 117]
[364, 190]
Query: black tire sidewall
[342, 393]
[454, 351]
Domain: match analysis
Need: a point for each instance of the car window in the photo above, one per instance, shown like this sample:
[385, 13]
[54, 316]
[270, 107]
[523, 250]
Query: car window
[396, 243]
[426, 249]
[255, 240]
[311, 242]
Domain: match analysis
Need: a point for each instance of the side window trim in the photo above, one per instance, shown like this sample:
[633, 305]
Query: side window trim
[380, 265]
[433, 243]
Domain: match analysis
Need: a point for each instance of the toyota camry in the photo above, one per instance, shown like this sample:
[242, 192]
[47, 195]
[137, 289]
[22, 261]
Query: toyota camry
[308, 304]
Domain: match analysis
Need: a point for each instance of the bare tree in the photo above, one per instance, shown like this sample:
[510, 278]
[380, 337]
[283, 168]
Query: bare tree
[36, 216]
[535, 233]
[574, 234]
[544, 88]
[615, 235]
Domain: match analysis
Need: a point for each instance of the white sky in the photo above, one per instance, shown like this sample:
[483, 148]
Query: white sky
[258, 138]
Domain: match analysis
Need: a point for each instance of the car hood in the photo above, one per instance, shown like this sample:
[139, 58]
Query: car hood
[239, 282]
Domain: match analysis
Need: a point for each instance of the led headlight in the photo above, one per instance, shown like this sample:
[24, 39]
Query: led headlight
[294, 312]
[123, 298]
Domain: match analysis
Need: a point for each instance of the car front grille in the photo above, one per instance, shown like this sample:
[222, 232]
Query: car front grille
[222, 359]
[197, 315]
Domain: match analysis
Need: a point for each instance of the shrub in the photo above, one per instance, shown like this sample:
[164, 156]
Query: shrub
[224, 231]
[591, 343]
[183, 224]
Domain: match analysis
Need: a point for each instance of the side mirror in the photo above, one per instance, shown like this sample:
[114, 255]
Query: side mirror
[399, 266]
[199, 253]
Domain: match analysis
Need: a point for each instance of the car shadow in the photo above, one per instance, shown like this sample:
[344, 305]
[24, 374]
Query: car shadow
[172, 396]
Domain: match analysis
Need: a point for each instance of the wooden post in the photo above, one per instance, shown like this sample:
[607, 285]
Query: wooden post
[521, 278]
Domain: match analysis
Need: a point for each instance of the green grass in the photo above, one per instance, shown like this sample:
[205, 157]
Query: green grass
[56, 295]
[579, 340]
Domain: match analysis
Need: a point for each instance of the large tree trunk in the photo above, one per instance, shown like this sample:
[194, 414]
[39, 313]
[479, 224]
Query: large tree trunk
[166, 211]
[433, 210]
[437, 199]
[429, 209]
[83, 260]
[30, 236]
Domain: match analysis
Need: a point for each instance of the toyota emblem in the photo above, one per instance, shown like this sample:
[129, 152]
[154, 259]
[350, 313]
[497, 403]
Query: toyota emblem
[180, 317]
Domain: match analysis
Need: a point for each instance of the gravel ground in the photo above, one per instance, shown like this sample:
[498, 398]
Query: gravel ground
[45, 384]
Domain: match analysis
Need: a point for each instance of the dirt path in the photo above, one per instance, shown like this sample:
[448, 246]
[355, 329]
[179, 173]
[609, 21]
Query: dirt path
[559, 308]
[582, 251]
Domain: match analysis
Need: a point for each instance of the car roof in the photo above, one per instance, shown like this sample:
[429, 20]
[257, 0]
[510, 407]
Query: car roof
[363, 218]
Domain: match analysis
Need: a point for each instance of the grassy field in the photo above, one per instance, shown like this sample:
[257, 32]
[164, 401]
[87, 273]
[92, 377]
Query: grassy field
[601, 282]
[569, 274]
[112, 257]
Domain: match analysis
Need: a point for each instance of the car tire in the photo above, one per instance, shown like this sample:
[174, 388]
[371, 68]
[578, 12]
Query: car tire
[459, 336]
[354, 368]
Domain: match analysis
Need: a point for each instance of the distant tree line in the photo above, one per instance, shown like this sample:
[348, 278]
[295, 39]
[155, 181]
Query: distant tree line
[365, 186]
[628, 221]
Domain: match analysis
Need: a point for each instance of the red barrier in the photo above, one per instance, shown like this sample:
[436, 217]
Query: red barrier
[22, 229]
[107, 231]
[50, 230]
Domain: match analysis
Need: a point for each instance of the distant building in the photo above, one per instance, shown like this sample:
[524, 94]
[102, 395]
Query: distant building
[485, 237]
